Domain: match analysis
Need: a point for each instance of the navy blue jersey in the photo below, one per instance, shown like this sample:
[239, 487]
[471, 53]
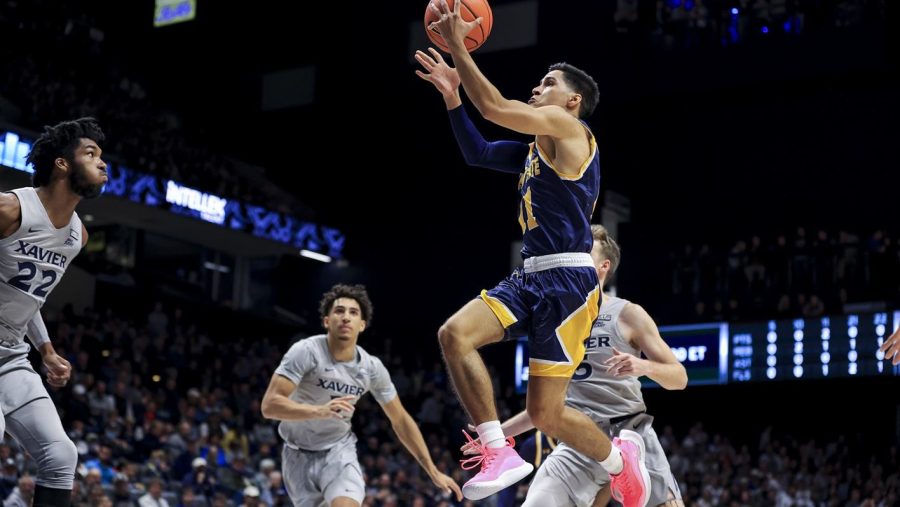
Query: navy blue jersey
[555, 212]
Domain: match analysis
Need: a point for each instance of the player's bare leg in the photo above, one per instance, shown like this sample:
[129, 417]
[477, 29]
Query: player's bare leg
[603, 497]
[469, 329]
[549, 413]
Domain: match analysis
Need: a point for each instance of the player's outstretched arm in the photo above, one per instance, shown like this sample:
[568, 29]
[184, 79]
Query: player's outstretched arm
[517, 424]
[516, 115]
[505, 156]
[661, 364]
[408, 433]
[276, 404]
[444, 77]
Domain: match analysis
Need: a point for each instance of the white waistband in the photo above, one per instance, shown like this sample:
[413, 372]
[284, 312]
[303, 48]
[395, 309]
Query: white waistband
[560, 260]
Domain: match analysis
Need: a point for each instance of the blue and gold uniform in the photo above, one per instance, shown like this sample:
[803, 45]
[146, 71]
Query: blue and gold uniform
[554, 298]
[555, 211]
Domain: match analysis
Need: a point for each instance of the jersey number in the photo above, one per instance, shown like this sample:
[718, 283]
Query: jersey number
[27, 270]
[526, 213]
[583, 371]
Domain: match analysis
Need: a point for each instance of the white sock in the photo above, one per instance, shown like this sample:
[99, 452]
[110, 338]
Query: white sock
[613, 463]
[491, 434]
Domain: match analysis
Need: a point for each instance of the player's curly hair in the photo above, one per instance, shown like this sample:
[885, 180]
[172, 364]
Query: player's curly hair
[60, 141]
[608, 246]
[355, 292]
[583, 84]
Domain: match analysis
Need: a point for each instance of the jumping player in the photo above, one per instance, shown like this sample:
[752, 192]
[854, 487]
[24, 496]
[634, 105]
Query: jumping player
[554, 299]
[606, 388]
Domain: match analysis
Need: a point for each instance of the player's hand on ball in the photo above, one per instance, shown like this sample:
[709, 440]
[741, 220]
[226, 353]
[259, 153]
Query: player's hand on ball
[58, 370]
[446, 484]
[339, 408]
[450, 24]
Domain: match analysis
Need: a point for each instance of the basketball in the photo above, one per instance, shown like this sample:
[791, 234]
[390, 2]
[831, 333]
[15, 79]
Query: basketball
[470, 10]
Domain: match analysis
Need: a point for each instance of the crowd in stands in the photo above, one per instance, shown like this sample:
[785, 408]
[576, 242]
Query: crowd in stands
[43, 77]
[55, 64]
[807, 273]
[165, 415]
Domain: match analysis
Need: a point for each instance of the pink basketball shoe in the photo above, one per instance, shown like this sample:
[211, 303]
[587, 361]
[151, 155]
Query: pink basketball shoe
[501, 467]
[631, 487]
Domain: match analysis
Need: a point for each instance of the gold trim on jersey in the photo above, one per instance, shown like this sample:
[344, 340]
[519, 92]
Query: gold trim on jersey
[506, 317]
[571, 335]
[584, 166]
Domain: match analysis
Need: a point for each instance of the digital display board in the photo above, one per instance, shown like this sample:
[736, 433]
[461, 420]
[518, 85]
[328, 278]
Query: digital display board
[701, 348]
[836, 346]
[176, 198]
[824, 347]
[169, 12]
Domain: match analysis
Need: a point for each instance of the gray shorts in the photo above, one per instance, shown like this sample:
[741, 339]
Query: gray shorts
[316, 478]
[583, 477]
[32, 420]
[19, 384]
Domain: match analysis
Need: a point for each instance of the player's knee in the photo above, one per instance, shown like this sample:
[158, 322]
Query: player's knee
[56, 468]
[451, 339]
[545, 418]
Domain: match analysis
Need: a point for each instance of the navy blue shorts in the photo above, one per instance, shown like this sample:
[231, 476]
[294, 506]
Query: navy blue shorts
[555, 308]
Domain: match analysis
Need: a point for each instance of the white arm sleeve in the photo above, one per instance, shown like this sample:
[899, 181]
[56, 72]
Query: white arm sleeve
[36, 331]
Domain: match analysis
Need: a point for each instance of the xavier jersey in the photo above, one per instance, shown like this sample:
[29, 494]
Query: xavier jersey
[555, 212]
[33, 260]
[595, 392]
[320, 379]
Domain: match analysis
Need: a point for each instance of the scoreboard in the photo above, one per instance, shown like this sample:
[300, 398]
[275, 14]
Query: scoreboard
[701, 348]
[790, 349]
[824, 347]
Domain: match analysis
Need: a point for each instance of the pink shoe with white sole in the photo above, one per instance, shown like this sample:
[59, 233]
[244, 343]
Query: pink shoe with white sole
[501, 467]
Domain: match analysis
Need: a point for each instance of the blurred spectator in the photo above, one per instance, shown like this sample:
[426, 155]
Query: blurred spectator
[153, 497]
[22, 495]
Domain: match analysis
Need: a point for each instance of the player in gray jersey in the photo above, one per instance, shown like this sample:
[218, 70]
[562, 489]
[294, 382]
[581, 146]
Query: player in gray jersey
[606, 388]
[40, 234]
[313, 392]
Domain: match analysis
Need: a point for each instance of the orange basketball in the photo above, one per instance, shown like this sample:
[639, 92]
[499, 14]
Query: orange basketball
[470, 10]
